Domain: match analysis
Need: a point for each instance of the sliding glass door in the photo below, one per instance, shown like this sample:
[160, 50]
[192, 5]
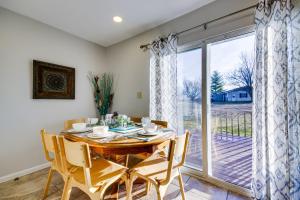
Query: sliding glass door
[230, 66]
[189, 102]
[215, 103]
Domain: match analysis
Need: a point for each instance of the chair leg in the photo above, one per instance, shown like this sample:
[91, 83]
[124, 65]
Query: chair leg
[163, 190]
[127, 160]
[67, 190]
[115, 191]
[129, 185]
[96, 196]
[101, 193]
[50, 173]
[159, 195]
[181, 186]
[148, 187]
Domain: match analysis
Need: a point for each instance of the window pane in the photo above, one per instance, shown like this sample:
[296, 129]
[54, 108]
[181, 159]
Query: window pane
[189, 102]
[231, 65]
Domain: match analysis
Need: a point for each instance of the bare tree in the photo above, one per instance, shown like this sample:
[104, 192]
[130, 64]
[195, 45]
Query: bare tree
[243, 75]
[192, 89]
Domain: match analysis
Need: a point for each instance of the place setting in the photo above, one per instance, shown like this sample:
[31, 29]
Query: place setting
[116, 127]
[83, 127]
[146, 131]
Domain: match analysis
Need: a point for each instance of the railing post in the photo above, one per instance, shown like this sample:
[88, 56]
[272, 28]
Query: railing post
[251, 124]
[232, 125]
[245, 124]
[238, 118]
[226, 125]
[221, 127]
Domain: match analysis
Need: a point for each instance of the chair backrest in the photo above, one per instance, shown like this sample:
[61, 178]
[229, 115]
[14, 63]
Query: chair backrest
[178, 148]
[136, 119]
[163, 124]
[181, 147]
[68, 123]
[50, 145]
[76, 154]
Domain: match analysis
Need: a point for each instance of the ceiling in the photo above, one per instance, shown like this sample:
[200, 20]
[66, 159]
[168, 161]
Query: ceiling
[92, 19]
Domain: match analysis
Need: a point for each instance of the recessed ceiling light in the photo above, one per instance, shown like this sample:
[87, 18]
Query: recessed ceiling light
[117, 19]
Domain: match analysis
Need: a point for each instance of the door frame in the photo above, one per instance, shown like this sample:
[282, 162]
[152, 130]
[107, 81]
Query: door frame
[206, 105]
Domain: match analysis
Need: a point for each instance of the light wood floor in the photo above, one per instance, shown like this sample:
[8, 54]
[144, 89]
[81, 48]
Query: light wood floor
[30, 187]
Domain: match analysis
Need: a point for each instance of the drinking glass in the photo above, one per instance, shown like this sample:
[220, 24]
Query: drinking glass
[102, 122]
[146, 121]
[88, 122]
[108, 119]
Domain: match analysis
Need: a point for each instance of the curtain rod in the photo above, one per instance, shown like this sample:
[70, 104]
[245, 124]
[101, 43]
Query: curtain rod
[146, 46]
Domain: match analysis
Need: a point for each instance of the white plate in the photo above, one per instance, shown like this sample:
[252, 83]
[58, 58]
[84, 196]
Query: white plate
[79, 131]
[149, 133]
[93, 136]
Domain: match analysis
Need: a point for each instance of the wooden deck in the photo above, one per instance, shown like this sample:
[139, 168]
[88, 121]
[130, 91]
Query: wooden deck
[231, 157]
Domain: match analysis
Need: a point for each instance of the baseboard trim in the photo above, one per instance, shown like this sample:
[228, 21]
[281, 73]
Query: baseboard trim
[23, 172]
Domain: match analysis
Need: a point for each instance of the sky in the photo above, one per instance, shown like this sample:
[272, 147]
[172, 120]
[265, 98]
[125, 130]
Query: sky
[224, 57]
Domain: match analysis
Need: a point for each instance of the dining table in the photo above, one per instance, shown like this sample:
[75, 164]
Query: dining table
[119, 144]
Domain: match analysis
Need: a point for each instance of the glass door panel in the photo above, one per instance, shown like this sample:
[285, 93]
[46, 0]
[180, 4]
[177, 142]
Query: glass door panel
[189, 102]
[230, 66]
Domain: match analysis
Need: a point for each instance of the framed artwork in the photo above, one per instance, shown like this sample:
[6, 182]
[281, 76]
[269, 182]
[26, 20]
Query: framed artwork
[51, 81]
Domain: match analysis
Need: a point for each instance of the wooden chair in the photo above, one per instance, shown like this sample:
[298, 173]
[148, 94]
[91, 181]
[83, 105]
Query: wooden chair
[159, 170]
[163, 124]
[136, 119]
[142, 156]
[68, 123]
[50, 146]
[91, 176]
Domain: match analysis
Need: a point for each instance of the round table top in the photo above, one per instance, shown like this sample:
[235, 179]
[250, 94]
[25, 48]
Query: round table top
[122, 145]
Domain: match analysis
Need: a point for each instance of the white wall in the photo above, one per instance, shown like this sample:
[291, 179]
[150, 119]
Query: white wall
[22, 40]
[131, 65]
[21, 117]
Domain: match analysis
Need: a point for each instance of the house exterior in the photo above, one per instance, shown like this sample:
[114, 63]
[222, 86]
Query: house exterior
[236, 95]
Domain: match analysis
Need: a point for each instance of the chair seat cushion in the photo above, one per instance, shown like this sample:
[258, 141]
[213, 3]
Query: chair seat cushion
[101, 171]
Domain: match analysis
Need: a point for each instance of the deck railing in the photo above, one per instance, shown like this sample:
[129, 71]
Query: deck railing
[237, 123]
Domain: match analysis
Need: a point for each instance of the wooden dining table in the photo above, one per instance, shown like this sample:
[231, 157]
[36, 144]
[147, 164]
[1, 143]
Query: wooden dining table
[118, 145]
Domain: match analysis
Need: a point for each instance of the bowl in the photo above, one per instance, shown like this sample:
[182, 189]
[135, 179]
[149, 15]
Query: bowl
[79, 126]
[150, 129]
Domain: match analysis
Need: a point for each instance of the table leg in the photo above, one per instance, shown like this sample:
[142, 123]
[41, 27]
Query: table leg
[114, 191]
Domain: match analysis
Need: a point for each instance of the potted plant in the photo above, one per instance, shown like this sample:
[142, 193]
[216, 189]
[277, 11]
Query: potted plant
[103, 92]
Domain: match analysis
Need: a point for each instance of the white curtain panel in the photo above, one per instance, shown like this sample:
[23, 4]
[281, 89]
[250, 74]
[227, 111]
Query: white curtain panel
[163, 80]
[276, 127]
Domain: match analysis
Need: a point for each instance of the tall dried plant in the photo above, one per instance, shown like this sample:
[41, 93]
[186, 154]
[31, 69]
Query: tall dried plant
[103, 91]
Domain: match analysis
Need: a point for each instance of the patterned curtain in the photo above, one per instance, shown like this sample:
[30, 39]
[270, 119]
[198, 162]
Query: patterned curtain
[163, 79]
[276, 170]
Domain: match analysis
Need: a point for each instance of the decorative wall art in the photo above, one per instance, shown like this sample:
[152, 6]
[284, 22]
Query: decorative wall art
[51, 81]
